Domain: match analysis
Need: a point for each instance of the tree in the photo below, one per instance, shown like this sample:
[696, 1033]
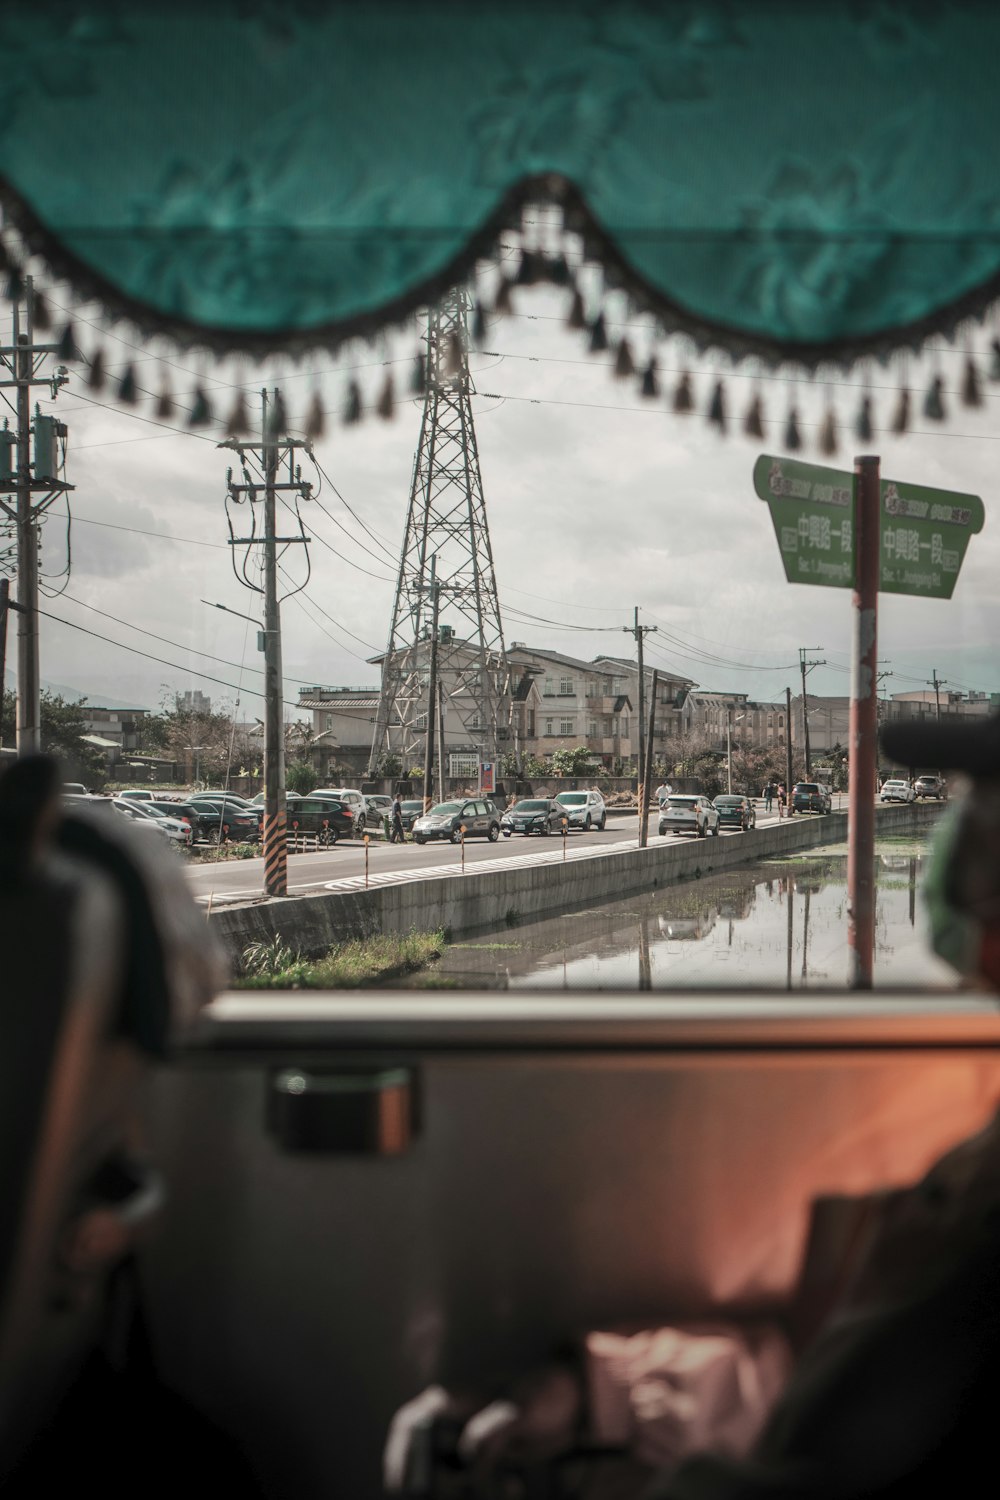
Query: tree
[300, 777]
[575, 762]
[63, 726]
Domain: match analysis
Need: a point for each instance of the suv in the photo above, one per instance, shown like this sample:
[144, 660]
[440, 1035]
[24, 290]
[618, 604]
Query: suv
[327, 817]
[351, 798]
[811, 796]
[584, 810]
[445, 821]
[931, 786]
[688, 814]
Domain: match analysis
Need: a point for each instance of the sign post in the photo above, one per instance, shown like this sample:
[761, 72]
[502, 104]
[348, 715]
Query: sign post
[868, 534]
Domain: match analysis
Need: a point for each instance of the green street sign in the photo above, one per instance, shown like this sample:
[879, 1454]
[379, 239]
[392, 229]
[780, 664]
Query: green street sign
[923, 533]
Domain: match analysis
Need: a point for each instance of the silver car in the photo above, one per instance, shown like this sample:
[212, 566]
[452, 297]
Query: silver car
[689, 813]
[584, 810]
[351, 799]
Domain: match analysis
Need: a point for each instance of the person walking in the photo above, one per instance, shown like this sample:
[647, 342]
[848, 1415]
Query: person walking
[397, 836]
[781, 799]
[768, 796]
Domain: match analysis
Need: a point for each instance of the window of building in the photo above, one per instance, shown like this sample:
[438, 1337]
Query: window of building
[531, 721]
[625, 725]
[607, 723]
[565, 726]
[420, 723]
[329, 721]
[617, 685]
[548, 726]
[592, 728]
[565, 687]
[550, 688]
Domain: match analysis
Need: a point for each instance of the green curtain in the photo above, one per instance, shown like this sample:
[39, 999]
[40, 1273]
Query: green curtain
[807, 179]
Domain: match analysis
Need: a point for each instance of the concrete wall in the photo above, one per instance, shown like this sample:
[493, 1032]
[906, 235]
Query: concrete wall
[490, 898]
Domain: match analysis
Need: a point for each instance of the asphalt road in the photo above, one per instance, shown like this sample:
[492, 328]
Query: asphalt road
[236, 880]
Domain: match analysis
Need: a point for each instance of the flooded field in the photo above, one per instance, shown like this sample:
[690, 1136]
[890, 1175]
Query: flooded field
[778, 923]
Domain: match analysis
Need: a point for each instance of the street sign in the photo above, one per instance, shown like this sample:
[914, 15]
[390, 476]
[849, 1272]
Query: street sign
[923, 533]
[486, 778]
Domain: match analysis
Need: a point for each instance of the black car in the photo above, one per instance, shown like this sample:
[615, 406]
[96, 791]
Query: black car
[534, 815]
[204, 822]
[232, 818]
[811, 796]
[410, 811]
[326, 818]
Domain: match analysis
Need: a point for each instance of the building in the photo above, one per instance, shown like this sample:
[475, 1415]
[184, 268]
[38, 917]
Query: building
[574, 704]
[343, 721]
[193, 702]
[110, 727]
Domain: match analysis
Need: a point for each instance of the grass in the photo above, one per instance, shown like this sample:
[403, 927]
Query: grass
[353, 965]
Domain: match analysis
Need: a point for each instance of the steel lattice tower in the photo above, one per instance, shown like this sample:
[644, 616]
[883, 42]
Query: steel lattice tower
[446, 546]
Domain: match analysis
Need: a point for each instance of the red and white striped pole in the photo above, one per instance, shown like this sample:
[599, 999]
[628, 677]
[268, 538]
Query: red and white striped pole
[863, 726]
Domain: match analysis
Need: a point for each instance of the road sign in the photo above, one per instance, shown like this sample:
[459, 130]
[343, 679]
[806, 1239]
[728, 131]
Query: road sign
[923, 533]
[486, 777]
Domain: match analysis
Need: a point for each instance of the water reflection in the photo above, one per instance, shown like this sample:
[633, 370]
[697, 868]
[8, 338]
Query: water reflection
[771, 924]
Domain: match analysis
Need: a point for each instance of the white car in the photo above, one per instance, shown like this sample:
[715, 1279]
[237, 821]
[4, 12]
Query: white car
[352, 799]
[584, 810]
[689, 813]
[897, 791]
[150, 817]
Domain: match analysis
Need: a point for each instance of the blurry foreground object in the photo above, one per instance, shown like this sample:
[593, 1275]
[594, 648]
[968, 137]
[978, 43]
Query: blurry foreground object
[962, 888]
[105, 953]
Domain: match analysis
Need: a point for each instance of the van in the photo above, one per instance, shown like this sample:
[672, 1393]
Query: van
[811, 796]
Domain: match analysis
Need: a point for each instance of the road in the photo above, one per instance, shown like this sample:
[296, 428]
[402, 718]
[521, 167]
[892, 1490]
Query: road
[236, 880]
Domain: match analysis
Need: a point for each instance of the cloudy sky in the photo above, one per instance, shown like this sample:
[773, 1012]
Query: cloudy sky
[598, 501]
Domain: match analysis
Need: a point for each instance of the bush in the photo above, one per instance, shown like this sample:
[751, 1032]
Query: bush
[300, 777]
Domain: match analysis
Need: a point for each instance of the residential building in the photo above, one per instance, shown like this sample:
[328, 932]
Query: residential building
[343, 720]
[576, 703]
[110, 727]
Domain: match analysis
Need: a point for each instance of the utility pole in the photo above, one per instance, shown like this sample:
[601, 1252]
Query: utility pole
[261, 463]
[804, 667]
[431, 689]
[644, 785]
[35, 485]
[640, 632]
[937, 683]
[788, 751]
[440, 713]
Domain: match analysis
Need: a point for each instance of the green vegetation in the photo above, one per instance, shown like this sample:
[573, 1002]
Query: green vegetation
[365, 961]
[300, 777]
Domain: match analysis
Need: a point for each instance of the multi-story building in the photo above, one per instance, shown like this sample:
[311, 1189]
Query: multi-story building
[114, 727]
[575, 703]
[193, 702]
[343, 719]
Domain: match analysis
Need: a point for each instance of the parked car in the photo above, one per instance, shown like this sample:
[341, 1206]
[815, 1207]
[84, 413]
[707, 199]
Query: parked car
[137, 794]
[351, 798]
[290, 798]
[534, 815]
[688, 813]
[145, 816]
[410, 811]
[895, 790]
[931, 786]
[378, 805]
[584, 810]
[735, 812]
[328, 818]
[811, 796]
[232, 817]
[477, 816]
[202, 821]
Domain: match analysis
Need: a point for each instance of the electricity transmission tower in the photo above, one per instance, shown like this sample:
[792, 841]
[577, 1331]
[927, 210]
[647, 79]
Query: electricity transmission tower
[445, 573]
[32, 461]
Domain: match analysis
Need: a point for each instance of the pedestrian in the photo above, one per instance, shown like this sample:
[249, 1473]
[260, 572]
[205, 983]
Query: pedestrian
[781, 799]
[663, 791]
[768, 796]
[398, 835]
